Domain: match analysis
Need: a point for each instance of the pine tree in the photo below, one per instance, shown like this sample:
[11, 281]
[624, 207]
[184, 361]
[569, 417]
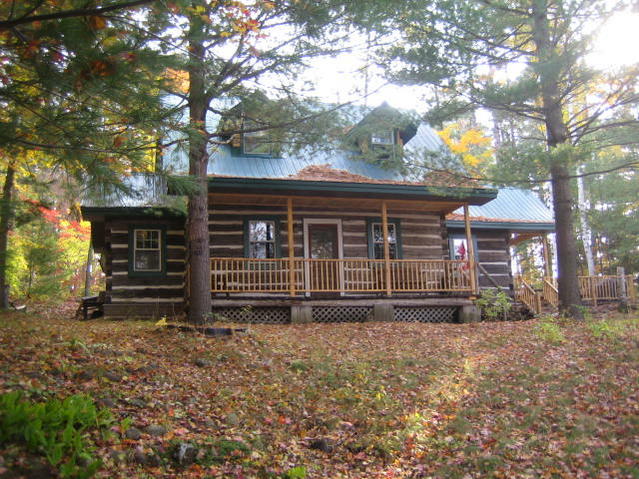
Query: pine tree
[455, 46]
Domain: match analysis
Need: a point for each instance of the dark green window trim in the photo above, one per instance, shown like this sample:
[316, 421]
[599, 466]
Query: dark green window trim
[163, 251]
[369, 234]
[278, 243]
[454, 236]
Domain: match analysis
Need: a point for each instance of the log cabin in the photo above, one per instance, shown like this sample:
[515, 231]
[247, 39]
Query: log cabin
[317, 237]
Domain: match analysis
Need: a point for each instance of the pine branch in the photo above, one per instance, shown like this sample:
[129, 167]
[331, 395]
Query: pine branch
[78, 12]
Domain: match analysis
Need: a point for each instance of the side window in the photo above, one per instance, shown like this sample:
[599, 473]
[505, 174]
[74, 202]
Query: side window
[376, 239]
[147, 250]
[262, 238]
[458, 247]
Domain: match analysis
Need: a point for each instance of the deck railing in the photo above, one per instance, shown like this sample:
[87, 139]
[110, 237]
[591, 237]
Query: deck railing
[526, 294]
[300, 275]
[550, 292]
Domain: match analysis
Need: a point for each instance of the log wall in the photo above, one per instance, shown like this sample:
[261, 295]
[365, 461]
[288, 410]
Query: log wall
[421, 233]
[493, 255]
[164, 291]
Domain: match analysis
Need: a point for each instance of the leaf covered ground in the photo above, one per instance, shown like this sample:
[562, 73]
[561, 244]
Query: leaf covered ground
[388, 400]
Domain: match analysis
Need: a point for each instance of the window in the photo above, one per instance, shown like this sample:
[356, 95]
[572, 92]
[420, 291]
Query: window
[261, 236]
[376, 239]
[384, 137]
[458, 247]
[256, 142]
[147, 250]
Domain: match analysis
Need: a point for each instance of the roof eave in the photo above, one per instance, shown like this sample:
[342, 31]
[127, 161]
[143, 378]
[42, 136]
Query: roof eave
[96, 213]
[504, 225]
[473, 196]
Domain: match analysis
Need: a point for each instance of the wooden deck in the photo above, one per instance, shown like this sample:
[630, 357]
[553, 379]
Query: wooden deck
[300, 276]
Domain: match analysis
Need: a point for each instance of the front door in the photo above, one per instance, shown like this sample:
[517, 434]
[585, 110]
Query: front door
[323, 244]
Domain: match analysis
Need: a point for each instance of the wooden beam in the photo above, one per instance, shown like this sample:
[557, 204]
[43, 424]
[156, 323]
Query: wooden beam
[337, 202]
[470, 249]
[291, 245]
[387, 264]
[547, 257]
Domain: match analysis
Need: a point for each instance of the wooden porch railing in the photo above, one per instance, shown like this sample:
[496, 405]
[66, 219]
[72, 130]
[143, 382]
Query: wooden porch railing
[247, 275]
[595, 288]
[549, 292]
[607, 287]
[526, 294]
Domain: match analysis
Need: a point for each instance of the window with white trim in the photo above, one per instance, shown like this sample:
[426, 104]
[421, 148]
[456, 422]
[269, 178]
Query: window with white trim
[378, 240]
[383, 137]
[147, 250]
[262, 239]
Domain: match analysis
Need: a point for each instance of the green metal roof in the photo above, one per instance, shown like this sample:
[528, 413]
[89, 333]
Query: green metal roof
[513, 208]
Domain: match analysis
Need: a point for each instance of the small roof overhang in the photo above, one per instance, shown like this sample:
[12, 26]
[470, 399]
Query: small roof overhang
[473, 196]
[100, 213]
[504, 225]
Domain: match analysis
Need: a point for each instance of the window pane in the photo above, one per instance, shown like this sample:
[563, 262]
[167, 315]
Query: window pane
[460, 250]
[256, 143]
[379, 251]
[147, 261]
[147, 239]
[261, 231]
[262, 250]
[378, 237]
[382, 137]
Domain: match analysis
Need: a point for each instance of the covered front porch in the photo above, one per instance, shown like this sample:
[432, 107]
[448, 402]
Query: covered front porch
[322, 254]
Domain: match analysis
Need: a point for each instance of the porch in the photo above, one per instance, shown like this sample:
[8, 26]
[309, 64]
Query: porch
[307, 276]
[335, 247]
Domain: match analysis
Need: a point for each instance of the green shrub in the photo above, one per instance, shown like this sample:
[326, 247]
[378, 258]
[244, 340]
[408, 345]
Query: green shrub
[298, 472]
[494, 304]
[549, 331]
[605, 329]
[56, 429]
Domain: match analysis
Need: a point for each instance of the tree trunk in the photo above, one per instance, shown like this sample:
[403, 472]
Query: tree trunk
[6, 214]
[198, 224]
[568, 284]
[557, 134]
[88, 271]
[586, 232]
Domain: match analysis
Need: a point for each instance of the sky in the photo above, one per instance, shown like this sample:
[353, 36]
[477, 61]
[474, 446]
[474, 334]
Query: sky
[341, 79]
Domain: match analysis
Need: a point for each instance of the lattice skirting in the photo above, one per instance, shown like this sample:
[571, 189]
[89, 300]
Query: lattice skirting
[425, 314]
[341, 314]
[272, 315]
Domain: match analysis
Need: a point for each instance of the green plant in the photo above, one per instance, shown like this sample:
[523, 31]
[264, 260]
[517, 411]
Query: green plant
[549, 331]
[57, 429]
[494, 304]
[605, 329]
[298, 472]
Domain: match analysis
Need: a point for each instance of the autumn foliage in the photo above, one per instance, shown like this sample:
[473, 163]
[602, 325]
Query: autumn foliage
[367, 400]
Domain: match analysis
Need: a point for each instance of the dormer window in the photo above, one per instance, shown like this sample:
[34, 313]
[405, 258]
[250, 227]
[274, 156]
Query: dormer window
[256, 143]
[384, 137]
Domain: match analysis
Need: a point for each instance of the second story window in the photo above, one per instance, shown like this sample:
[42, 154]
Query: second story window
[256, 142]
[384, 137]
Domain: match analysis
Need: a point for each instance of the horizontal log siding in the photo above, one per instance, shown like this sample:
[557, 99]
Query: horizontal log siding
[420, 232]
[168, 288]
[493, 254]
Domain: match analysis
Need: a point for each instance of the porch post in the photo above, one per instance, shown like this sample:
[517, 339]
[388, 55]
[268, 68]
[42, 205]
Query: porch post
[547, 257]
[387, 264]
[470, 249]
[291, 245]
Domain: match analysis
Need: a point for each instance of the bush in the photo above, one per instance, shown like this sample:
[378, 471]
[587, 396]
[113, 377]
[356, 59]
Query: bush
[549, 331]
[605, 329]
[57, 429]
[494, 304]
